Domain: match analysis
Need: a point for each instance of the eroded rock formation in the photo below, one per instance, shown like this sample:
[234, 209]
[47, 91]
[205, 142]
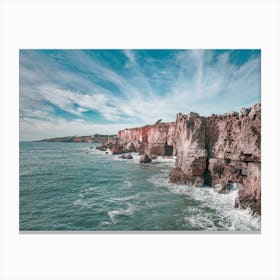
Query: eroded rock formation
[157, 139]
[221, 150]
[216, 151]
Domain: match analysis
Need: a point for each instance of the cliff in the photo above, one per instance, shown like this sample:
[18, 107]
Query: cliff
[218, 151]
[157, 139]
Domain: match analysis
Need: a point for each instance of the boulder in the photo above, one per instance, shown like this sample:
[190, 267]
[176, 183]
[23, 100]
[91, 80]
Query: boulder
[101, 148]
[129, 156]
[117, 149]
[145, 159]
[123, 157]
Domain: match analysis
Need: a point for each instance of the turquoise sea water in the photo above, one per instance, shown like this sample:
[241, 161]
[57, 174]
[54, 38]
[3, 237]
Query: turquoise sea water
[68, 186]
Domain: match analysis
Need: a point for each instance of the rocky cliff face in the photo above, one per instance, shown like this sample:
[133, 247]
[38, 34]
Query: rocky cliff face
[189, 146]
[157, 139]
[218, 151]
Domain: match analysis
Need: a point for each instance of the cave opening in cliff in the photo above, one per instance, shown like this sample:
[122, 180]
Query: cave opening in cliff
[168, 150]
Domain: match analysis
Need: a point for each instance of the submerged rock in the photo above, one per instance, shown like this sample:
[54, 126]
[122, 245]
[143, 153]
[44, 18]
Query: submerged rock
[126, 156]
[122, 156]
[145, 159]
[101, 148]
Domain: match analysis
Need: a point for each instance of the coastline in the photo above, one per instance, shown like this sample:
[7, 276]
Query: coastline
[219, 151]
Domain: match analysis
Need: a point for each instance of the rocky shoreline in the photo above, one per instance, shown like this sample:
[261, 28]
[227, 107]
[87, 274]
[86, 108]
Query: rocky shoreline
[218, 151]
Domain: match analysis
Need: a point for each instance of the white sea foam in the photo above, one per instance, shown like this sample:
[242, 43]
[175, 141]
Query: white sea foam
[200, 221]
[120, 212]
[228, 217]
[128, 184]
[123, 199]
[97, 153]
[134, 155]
[159, 181]
[86, 203]
[85, 199]
[165, 160]
[105, 223]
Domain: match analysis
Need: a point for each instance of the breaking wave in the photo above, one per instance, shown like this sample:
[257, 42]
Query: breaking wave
[215, 211]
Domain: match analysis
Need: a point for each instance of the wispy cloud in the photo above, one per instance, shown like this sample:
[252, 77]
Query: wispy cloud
[73, 91]
[131, 58]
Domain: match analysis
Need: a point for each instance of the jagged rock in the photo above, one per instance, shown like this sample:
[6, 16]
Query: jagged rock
[130, 147]
[145, 159]
[232, 114]
[101, 148]
[217, 150]
[249, 192]
[123, 157]
[244, 112]
[126, 156]
[117, 148]
[255, 111]
[178, 176]
[150, 139]
[190, 150]
[140, 147]
[220, 151]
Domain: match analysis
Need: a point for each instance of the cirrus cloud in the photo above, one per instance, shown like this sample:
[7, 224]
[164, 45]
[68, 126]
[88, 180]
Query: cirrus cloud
[67, 92]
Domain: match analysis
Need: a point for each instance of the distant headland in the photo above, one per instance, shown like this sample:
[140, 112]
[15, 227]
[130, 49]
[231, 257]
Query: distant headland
[96, 138]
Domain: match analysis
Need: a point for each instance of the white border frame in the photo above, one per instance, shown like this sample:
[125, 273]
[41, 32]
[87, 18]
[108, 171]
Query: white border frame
[131, 24]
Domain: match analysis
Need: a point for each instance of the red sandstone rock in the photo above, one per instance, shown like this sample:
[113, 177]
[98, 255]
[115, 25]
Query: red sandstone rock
[150, 139]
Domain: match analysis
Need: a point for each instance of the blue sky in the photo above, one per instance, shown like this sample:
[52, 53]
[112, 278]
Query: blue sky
[68, 92]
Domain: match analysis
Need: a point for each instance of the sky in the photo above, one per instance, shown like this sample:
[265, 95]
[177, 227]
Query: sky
[84, 92]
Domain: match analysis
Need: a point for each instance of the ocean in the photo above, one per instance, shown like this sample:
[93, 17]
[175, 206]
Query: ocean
[74, 187]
